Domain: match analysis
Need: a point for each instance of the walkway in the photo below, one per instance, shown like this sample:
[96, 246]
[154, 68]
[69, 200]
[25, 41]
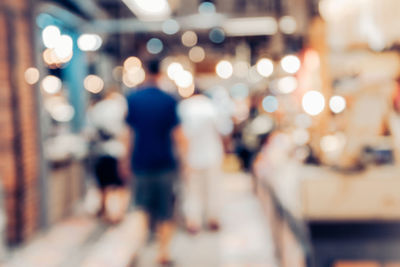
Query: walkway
[243, 241]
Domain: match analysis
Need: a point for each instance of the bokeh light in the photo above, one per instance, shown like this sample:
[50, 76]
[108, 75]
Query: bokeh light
[270, 104]
[93, 84]
[186, 91]
[132, 64]
[239, 91]
[287, 25]
[150, 9]
[183, 79]
[173, 70]
[133, 78]
[337, 104]
[330, 143]
[32, 75]
[64, 47]
[287, 85]
[313, 103]
[50, 36]
[170, 26]
[290, 64]
[207, 8]
[265, 67]
[217, 35]
[89, 42]
[51, 84]
[189, 38]
[224, 69]
[197, 54]
[154, 46]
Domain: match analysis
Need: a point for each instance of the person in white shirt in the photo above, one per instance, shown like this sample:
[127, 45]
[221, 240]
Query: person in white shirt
[106, 126]
[205, 153]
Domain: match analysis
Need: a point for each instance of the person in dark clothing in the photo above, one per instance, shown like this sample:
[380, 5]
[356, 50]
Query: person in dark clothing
[152, 116]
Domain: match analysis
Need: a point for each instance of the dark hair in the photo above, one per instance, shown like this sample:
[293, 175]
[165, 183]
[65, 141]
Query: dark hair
[153, 66]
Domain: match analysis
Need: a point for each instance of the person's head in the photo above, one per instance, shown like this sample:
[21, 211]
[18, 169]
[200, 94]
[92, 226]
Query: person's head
[153, 67]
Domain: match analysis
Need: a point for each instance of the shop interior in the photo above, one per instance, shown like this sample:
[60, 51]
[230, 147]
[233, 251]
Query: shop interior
[310, 95]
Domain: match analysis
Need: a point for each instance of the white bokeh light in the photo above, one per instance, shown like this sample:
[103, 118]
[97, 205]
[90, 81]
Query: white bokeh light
[337, 104]
[32, 75]
[174, 69]
[64, 46]
[287, 25]
[51, 84]
[50, 35]
[287, 85]
[313, 103]
[149, 9]
[290, 64]
[63, 112]
[170, 26]
[224, 69]
[265, 67]
[89, 42]
[93, 84]
[184, 79]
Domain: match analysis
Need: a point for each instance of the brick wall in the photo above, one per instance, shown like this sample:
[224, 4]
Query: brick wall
[18, 124]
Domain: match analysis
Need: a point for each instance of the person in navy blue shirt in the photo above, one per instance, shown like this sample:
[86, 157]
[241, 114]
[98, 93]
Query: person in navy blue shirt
[152, 115]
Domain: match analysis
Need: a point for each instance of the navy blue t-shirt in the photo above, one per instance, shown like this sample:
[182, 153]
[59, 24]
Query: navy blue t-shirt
[152, 114]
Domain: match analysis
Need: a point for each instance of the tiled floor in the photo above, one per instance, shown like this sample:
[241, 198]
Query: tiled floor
[244, 240]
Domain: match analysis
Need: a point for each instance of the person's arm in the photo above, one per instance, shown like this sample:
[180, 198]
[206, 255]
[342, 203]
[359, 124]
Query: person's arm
[124, 162]
[182, 147]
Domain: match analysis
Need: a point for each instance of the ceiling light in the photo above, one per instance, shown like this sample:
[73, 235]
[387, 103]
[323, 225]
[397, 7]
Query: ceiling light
[149, 9]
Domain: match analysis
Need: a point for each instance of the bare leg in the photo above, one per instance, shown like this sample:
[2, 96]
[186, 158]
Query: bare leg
[193, 204]
[144, 221]
[102, 209]
[165, 231]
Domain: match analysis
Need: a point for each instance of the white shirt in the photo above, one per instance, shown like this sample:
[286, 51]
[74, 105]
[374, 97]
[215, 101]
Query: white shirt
[109, 115]
[199, 122]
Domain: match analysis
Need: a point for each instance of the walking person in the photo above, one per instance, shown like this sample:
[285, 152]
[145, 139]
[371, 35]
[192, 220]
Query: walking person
[152, 116]
[106, 124]
[202, 197]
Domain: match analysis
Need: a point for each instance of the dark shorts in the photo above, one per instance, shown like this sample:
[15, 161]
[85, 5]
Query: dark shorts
[106, 170]
[154, 193]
